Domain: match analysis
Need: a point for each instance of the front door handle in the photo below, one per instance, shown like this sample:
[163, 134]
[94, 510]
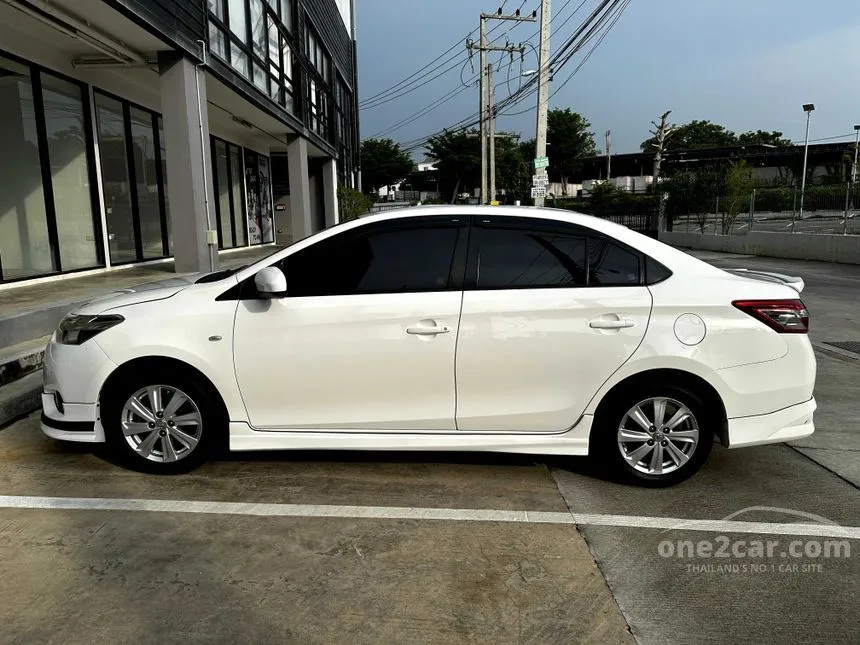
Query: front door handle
[428, 331]
[603, 323]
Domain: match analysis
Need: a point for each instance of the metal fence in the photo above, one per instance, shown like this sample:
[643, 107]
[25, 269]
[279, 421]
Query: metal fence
[833, 210]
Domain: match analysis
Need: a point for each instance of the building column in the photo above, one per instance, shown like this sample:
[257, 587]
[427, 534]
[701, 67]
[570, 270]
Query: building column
[329, 173]
[189, 167]
[301, 220]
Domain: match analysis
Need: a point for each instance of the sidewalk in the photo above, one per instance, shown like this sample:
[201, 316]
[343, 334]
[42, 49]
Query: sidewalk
[15, 299]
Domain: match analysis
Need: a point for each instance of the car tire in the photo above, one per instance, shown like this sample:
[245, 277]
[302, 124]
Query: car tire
[632, 434]
[161, 423]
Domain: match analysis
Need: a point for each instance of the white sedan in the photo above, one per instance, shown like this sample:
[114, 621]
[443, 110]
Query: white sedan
[444, 328]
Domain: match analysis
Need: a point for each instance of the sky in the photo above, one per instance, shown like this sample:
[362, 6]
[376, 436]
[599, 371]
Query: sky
[746, 64]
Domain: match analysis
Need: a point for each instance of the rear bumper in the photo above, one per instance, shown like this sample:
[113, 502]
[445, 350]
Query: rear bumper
[788, 424]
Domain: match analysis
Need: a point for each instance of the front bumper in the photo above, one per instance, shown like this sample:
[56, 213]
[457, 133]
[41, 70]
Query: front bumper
[788, 424]
[77, 422]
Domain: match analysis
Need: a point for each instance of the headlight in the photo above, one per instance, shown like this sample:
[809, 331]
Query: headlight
[74, 330]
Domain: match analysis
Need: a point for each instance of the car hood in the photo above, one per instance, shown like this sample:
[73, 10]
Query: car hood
[147, 292]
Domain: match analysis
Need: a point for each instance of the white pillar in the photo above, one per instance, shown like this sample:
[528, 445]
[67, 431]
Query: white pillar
[329, 173]
[189, 169]
[301, 220]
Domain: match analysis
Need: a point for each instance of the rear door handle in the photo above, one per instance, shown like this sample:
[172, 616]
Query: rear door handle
[602, 323]
[427, 331]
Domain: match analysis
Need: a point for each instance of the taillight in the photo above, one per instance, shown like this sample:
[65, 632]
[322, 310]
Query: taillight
[783, 316]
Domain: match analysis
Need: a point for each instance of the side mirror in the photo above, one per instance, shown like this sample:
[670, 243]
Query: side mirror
[271, 283]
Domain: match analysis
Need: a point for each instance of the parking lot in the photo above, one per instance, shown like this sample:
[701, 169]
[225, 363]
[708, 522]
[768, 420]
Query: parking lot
[447, 548]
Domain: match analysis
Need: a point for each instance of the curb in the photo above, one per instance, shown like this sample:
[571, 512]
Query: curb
[20, 398]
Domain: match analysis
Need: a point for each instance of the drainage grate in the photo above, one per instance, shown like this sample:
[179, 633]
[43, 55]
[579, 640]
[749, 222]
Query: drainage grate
[852, 346]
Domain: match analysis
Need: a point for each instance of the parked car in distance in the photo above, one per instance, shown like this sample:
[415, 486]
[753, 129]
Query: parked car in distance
[508, 329]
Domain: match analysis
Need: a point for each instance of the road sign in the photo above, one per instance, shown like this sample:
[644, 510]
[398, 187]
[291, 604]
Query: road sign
[538, 191]
[541, 162]
[540, 180]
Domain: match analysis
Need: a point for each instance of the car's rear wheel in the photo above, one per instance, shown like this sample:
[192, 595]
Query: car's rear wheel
[159, 425]
[655, 436]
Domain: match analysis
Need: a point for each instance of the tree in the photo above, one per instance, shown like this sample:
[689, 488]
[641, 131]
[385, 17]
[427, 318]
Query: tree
[383, 163]
[739, 186]
[352, 204]
[569, 140]
[760, 137]
[696, 134]
[458, 161]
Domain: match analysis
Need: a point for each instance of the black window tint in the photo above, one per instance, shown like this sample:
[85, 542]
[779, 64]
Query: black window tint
[610, 264]
[510, 258]
[392, 261]
[654, 271]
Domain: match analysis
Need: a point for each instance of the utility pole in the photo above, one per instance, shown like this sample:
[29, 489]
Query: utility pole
[492, 132]
[486, 109]
[543, 92]
[660, 131]
[608, 154]
[483, 57]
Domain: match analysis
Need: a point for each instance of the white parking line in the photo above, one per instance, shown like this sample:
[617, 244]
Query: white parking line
[410, 513]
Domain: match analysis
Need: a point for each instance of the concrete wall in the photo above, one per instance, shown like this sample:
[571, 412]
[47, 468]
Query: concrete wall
[844, 249]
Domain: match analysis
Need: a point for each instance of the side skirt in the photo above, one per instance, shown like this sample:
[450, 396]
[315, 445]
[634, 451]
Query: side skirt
[573, 442]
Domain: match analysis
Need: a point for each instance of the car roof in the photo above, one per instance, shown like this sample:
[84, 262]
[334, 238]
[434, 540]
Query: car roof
[674, 259]
[670, 256]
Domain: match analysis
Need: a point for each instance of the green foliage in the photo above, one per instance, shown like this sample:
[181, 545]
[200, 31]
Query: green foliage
[352, 203]
[760, 137]
[570, 139]
[383, 163]
[458, 161]
[705, 134]
[774, 199]
[696, 134]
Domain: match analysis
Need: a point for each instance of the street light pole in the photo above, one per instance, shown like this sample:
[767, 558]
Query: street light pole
[808, 108]
[849, 189]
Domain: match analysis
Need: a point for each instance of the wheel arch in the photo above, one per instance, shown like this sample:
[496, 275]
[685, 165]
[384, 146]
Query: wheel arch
[172, 365]
[694, 382]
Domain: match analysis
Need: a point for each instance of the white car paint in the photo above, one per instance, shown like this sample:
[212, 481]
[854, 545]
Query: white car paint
[516, 371]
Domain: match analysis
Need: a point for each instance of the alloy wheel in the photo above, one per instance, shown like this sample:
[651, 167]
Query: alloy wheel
[161, 423]
[658, 436]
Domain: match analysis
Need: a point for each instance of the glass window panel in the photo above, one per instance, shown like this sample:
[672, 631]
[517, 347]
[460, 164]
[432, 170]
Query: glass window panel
[287, 14]
[148, 207]
[239, 60]
[287, 58]
[258, 28]
[216, 7]
[164, 185]
[611, 265]
[217, 41]
[277, 92]
[260, 78]
[25, 249]
[67, 149]
[396, 261]
[238, 23]
[222, 191]
[115, 182]
[266, 215]
[510, 258]
[274, 42]
[239, 218]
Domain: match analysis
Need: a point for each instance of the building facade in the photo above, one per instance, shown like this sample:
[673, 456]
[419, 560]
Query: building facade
[138, 130]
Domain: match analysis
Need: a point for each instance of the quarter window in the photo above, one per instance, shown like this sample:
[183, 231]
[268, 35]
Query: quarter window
[382, 260]
[610, 265]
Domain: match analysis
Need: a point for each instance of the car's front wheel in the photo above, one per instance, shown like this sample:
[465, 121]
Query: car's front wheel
[159, 425]
[655, 436]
